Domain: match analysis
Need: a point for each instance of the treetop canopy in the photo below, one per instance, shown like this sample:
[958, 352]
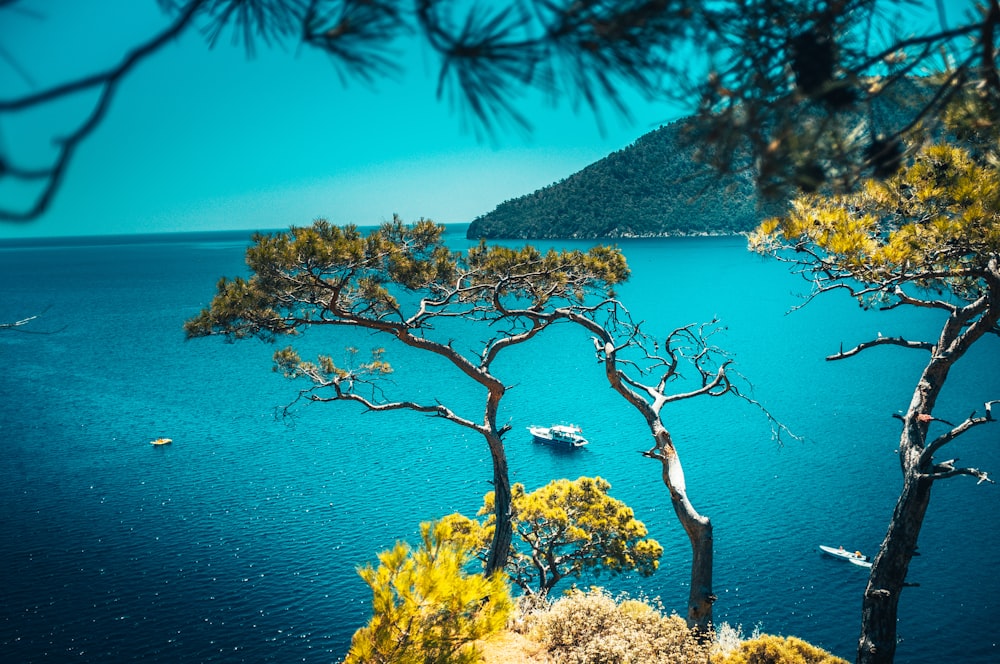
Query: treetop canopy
[935, 224]
[325, 274]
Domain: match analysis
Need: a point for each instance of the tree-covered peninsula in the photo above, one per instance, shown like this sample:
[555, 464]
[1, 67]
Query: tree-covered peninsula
[654, 187]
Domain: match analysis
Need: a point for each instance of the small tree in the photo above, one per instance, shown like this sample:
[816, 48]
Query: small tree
[564, 529]
[398, 281]
[643, 382]
[637, 369]
[427, 609]
[928, 237]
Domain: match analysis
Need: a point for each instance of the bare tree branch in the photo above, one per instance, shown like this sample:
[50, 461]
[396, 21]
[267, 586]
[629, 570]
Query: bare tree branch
[881, 341]
[108, 82]
[947, 469]
[931, 449]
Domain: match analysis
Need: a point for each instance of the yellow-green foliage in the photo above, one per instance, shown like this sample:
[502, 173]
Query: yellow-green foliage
[426, 609]
[591, 628]
[563, 529]
[936, 223]
[326, 274]
[770, 649]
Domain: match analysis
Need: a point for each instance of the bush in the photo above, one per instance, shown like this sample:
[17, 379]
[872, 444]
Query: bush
[592, 628]
[770, 649]
[425, 608]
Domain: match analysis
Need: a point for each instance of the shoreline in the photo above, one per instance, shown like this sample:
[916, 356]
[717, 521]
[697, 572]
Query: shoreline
[623, 236]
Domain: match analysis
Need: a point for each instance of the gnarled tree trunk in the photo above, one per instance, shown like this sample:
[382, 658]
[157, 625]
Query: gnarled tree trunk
[879, 608]
[877, 644]
[502, 535]
[697, 527]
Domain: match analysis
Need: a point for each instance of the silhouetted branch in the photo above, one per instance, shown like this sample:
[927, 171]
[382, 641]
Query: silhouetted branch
[108, 82]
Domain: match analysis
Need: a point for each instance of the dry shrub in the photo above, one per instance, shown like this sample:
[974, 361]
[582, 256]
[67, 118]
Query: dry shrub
[770, 649]
[592, 628]
[510, 647]
[729, 638]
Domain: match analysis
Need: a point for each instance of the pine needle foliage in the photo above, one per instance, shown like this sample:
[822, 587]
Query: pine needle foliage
[934, 225]
[565, 529]
[328, 274]
[786, 93]
[426, 608]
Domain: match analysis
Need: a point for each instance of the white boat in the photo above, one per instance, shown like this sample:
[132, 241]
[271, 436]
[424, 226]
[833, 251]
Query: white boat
[855, 557]
[559, 435]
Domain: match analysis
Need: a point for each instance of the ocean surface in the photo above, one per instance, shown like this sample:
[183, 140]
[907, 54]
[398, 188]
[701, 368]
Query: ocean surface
[239, 542]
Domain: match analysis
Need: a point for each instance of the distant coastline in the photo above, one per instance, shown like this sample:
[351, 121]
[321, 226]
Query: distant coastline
[160, 238]
[125, 238]
[237, 236]
[652, 235]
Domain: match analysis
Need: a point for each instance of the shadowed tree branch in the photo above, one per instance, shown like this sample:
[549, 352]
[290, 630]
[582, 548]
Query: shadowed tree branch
[799, 95]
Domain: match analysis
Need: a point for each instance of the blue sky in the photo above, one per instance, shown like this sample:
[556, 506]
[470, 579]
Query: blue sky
[201, 139]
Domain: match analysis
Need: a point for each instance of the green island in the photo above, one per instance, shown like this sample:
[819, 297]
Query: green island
[664, 185]
[655, 187]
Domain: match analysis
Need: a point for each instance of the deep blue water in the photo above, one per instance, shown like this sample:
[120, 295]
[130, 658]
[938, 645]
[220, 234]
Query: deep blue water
[238, 542]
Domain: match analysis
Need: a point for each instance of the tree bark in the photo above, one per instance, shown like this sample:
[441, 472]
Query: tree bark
[503, 534]
[879, 609]
[699, 532]
[877, 644]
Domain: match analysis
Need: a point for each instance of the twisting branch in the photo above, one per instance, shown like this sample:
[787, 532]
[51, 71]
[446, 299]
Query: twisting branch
[688, 342]
[108, 82]
[947, 469]
[436, 410]
[972, 421]
[881, 341]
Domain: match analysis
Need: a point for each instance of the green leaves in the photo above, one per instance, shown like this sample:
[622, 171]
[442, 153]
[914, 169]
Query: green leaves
[396, 280]
[566, 528]
[935, 224]
[425, 607]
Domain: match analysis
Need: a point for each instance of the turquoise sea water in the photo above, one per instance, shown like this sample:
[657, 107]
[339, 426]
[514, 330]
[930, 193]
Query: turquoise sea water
[238, 542]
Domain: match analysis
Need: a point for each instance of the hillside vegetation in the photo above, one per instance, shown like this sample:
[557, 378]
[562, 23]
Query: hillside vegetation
[653, 187]
[657, 187]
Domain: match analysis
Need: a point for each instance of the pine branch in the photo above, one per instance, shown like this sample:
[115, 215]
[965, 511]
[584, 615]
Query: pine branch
[107, 80]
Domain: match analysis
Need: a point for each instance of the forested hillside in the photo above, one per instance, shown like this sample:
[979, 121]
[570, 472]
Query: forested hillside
[653, 187]
[656, 186]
